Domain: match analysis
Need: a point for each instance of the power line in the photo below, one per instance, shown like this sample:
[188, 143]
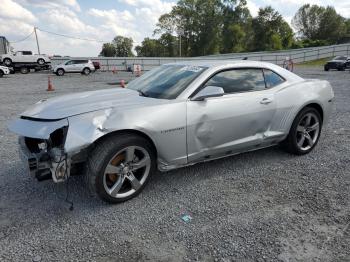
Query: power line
[73, 37]
[21, 40]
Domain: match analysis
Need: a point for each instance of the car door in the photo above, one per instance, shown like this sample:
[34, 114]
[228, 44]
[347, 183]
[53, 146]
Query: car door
[69, 66]
[17, 57]
[27, 57]
[232, 123]
[78, 67]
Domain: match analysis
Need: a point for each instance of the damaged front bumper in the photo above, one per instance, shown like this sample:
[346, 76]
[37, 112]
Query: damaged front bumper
[41, 148]
[54, 148]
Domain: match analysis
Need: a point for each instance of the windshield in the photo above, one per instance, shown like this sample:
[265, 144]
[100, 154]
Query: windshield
[166, 82]
[340, 58]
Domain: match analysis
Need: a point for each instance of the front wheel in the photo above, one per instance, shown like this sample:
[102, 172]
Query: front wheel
[119, 167]
[304, 133]
[60, 72]
[1, 73]
[7, 61]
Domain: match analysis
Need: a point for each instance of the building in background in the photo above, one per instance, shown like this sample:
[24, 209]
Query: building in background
[4, 45]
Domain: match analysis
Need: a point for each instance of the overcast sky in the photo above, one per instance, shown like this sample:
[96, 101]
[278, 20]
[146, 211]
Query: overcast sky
[105, 19]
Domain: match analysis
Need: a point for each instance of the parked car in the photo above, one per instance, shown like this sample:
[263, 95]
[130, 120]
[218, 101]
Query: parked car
[4, 70]
[74, 66]
[173, 116]
[339, 62]
[24, 57]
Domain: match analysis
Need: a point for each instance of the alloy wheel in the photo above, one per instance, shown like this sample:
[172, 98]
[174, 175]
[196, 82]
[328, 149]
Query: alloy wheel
[126, 172]
[308, 131]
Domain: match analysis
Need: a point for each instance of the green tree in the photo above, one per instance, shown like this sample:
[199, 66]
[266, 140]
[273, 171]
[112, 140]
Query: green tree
[317, 23]
[236, 27]
[123, 46]
[108, 50]
[148, 47]
[201, 23]
[168, 45]
[271, 31]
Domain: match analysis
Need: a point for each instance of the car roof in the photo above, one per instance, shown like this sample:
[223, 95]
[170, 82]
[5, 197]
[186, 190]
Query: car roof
[213, 64]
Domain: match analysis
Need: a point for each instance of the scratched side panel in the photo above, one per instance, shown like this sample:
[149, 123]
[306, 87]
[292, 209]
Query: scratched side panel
[164, 123]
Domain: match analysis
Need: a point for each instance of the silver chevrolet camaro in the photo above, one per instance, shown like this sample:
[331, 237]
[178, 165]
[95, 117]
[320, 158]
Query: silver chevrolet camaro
[173, 116]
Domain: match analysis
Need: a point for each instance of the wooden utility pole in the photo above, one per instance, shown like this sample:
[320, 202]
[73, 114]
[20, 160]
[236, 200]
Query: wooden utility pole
[37, 42]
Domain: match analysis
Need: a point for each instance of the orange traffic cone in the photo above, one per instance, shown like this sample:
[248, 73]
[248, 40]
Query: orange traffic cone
[122, 83]
[49, 85]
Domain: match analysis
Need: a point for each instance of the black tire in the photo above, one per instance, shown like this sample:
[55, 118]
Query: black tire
[290, 143]
[41, 61]
[7, 61]
[60, 72]
[1, 73]
[24, 70]
[86, 71]
[101, 156]
[326, 68]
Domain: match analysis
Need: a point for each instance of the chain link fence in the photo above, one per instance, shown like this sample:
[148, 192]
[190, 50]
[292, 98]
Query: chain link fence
[276, 57]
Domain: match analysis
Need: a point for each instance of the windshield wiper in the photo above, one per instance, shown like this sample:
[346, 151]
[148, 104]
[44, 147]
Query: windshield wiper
[141, 93]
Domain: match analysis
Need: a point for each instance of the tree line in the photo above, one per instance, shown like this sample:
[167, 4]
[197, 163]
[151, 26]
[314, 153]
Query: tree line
[206, 27]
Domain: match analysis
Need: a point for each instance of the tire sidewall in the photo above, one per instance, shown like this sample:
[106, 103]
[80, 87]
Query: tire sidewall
[60, 70]
[24, 70]
[96, 176]
[86, 71]
[40, 59]
[292, 133]
[9, 63]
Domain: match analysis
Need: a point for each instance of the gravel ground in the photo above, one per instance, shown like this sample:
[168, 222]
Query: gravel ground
[259, 206]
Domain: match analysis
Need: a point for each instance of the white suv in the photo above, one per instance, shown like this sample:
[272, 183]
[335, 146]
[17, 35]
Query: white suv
[74, 66]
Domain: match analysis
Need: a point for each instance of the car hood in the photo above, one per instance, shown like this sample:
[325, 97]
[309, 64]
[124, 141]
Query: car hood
[80, 103]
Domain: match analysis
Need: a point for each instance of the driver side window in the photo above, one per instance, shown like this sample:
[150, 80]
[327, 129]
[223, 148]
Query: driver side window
[239, 80]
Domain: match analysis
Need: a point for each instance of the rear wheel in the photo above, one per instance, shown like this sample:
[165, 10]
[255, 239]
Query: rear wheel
[119, 167]
[326, 68]
[304, 133]
[7, 61]
[24, 70]
[41, 61]
[1, 73]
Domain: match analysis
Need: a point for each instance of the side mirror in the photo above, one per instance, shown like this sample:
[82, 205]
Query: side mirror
[208, 91]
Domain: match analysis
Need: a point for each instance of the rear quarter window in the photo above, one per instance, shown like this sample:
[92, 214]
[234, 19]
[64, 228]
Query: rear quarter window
[272, 79]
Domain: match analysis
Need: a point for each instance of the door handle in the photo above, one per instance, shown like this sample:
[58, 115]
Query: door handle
[266, 101]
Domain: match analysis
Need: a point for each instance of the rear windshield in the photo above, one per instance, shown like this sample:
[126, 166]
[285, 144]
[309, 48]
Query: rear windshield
[340, 58]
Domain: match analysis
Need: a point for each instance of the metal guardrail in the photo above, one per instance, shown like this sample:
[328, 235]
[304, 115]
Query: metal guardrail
[276, 57]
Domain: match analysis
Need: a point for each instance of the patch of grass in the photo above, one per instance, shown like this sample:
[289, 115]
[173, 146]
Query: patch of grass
[318, 62]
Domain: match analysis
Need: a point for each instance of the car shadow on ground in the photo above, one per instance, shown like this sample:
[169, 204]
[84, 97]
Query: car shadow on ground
[27, 192]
